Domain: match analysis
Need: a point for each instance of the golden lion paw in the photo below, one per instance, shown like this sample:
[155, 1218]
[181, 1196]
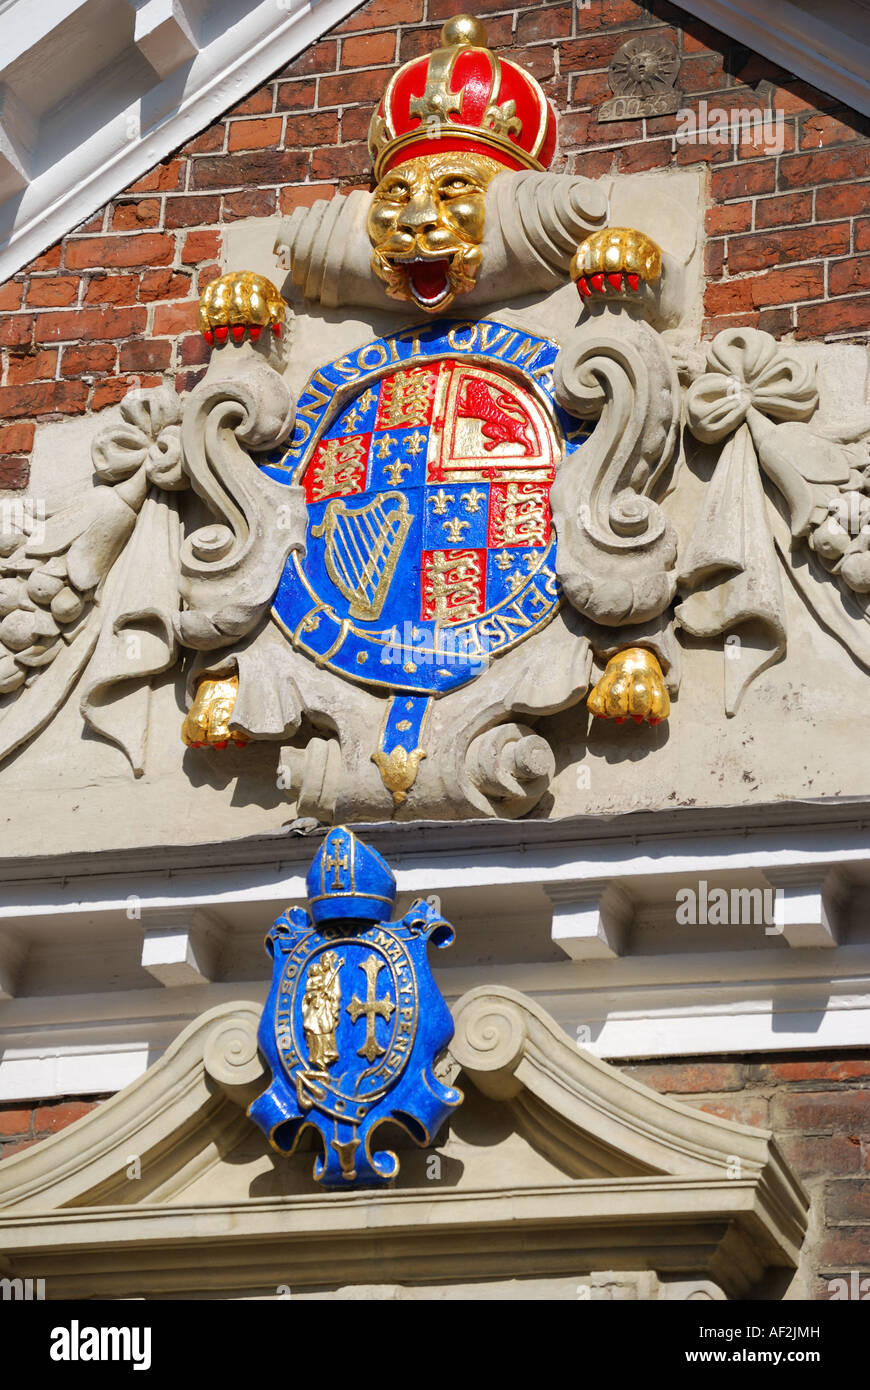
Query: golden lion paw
[238, 302]
[618, 257]
[632, 687]
[208, 721]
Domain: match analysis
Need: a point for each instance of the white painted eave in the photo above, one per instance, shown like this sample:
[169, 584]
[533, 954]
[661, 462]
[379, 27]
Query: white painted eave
[185, 61]
[825, 42]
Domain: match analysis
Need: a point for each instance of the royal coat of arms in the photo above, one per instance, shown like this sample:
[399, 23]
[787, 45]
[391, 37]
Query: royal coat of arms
[429, 548]
[438, 487]
[354, 1021]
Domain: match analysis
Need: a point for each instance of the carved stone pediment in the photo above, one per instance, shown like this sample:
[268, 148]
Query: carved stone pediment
[557, 1170]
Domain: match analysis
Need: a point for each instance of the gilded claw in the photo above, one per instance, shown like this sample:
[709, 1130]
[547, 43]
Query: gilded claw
[208, 721]
[632, 687]
[238, 303]
[615, 259]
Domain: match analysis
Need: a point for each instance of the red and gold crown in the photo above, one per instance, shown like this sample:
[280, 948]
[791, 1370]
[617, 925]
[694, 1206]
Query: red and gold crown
[462, 97]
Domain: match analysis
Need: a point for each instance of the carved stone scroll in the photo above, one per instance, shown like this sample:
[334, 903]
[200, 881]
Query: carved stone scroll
[617, 550]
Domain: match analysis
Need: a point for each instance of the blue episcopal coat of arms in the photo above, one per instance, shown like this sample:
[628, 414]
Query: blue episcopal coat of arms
[354, 1021]
[426, 460]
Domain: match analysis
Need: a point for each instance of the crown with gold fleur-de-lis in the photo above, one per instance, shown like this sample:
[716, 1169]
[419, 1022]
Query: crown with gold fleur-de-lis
[463, 97]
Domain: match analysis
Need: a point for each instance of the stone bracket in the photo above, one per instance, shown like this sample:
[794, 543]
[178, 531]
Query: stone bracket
[590, 919]
[810, 905]
[182, 946]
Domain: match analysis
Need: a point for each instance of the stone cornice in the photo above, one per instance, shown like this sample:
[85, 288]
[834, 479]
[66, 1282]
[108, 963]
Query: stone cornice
[293, 844]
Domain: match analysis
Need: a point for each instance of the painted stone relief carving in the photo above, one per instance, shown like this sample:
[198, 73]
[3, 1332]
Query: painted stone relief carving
[457, 527]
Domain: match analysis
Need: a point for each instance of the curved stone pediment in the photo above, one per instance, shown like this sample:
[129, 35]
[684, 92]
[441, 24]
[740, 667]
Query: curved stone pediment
[556, 1167]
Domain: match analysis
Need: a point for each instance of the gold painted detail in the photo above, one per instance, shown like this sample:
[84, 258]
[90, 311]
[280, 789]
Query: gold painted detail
[338, 467]
[525, 519]
[336, 862]
[502, 119]
[462, 29]
[430, 209]
[208, 722]
[362, 547]
[632, 687]
[241, 299]
[398, 770]
[472, 500]
[372, 1008]
[405, 398]
[440, 501]
[451, 592]
[321, 1004]
[379, 133]
[395, 470]
[346, 1151]
[437, 99]
[615, 249]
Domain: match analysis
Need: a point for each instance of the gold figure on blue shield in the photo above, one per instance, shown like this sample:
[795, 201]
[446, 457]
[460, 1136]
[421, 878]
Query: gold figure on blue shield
[321, 1003]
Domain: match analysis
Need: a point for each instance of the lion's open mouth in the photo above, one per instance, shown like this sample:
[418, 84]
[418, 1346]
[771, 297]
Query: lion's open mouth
[429, 280]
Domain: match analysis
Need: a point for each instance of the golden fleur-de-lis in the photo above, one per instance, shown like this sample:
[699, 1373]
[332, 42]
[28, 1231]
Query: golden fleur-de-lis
[473, 500]
[454, 528]
[440, 501]
[384, 447]
[516, 581]
[365, 401]
[351, 420]
[502, 120]
[395, 470]
[503, 560]
[398, 770]
[415, 442]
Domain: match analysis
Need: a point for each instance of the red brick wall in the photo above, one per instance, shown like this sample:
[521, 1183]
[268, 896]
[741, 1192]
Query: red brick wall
[113, 305]
[818, 1106]
[23, 1123]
